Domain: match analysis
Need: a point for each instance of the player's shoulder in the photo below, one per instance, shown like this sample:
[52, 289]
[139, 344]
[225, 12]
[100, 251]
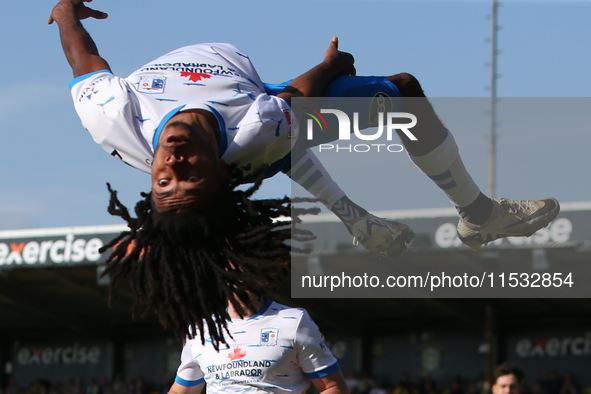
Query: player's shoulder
[89, 80]
[286, 312]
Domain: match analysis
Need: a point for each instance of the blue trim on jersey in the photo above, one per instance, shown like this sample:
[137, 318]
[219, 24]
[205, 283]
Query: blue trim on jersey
[323, 372]
[222, 125]
[188, 383]
[83, 77]
[263, 309]
[273, 89]
[161, 125]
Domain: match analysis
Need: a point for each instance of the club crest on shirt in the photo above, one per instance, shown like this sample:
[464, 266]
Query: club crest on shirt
[269, 336]
[152, 84]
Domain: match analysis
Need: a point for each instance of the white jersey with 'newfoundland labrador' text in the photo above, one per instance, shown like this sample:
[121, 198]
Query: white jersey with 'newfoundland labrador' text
[125, 115]
[276, 351]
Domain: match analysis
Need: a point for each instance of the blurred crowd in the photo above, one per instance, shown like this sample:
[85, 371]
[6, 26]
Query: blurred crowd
[549, 383]
[118, 385]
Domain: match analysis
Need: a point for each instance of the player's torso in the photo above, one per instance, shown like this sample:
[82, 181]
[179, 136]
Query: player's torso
[198, 76]
[261, 357]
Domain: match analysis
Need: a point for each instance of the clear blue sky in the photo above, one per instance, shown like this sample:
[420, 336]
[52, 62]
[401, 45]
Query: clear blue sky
[54, 175]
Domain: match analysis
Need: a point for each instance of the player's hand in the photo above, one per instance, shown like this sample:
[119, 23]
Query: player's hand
[78, 8]
[340, 62]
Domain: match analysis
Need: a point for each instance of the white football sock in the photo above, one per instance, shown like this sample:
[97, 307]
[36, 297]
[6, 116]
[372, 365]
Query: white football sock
[309, 173]
[445, 167]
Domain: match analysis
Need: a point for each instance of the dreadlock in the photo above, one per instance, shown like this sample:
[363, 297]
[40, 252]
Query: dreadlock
[186, 267]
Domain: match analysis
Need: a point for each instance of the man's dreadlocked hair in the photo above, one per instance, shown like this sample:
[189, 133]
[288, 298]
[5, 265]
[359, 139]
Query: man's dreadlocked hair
[186, 267]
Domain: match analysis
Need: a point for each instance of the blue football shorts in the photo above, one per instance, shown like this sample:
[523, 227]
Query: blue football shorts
[347, 86]
[344, 86]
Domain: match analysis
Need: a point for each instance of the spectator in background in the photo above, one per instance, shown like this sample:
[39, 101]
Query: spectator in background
[378, 389]
[428, 385]
[55, 387]
[407, 383]
[353, 383]
[366, 383]
[69, 387]
[139, 385]
[118, 384]
[103, 385]
[537, 388]
[37, 388]
[508, 379]
[165, 386]
[109, 389]
[12, 388]
[400, 389]
[78, 387]
[569, 386]
[130, 386]
[551, 382]
[473, 387]
[456, 386]
[93, 387]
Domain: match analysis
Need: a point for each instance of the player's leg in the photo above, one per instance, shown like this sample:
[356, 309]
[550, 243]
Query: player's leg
[385, 238]
[436, 154]
[382, 237]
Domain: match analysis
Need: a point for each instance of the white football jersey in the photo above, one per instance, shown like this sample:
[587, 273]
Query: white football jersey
[126, 115]
[276, 351]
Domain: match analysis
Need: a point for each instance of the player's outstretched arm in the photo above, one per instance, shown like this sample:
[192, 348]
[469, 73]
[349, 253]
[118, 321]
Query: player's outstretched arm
[331, 384]
[79, 48]
[314, 82]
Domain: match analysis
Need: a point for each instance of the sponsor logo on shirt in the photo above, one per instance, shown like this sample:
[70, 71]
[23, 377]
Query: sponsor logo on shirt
[90, 90]
[236, 354]
[193, 68]
[322, 344]
[291, 131]
[195, 77]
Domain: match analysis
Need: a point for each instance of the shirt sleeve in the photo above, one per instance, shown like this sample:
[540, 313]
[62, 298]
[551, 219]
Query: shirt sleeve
[109, 110]
[265, 134]
[189, 373]
[313, 356]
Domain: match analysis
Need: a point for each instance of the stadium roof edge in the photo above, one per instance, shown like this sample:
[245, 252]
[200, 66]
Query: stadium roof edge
[428, 213]
[423, 213]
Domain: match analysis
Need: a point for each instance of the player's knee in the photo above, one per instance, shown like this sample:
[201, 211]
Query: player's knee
[407, 84]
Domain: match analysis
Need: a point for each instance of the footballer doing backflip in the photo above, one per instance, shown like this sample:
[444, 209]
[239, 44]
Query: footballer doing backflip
[200, 120]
